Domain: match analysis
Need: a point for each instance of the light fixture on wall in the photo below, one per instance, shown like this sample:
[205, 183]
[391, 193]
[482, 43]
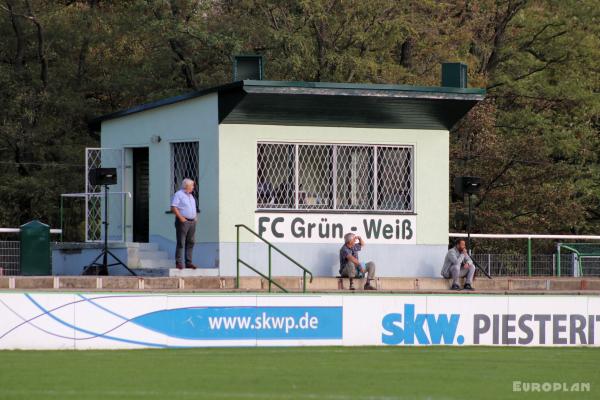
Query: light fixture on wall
[155, 139]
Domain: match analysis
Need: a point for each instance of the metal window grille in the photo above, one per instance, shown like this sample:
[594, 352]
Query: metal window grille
[394, 178]
[315, 179]
[334, 177]
[184, 164]
[104, 158]
[275, 183]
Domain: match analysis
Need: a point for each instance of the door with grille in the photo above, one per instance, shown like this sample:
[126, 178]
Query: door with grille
[141, 209]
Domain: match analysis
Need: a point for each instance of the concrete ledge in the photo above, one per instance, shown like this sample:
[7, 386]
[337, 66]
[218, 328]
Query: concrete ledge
[397, 284]
[489, 284]
[198, 282]
[248, 283]
[432, 284]
[290, 283]
[77, 282]
[161, 283]
[120, 283]
[589, 284]
[294, 284]
[37, 282]
[320, 283]
[567, 284]
[528, 284]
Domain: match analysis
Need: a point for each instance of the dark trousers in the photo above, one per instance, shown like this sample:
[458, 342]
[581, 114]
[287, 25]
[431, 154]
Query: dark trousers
[186, 232]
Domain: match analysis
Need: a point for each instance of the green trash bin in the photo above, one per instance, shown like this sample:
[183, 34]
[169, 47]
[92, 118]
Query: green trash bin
[35, 249]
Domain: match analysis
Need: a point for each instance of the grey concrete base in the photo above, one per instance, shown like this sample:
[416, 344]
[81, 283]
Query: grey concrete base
[320, 259]
[72, 258]
[206, 255]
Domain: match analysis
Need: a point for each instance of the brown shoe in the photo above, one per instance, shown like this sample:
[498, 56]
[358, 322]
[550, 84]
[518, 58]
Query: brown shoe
[179, 266]
[190, 266]
[369, 287]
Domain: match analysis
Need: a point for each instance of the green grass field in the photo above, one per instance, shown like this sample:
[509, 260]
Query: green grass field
[297, 373]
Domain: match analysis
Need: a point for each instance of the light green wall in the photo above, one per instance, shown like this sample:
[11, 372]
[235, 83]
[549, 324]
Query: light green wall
[190, 120]
[237, 170]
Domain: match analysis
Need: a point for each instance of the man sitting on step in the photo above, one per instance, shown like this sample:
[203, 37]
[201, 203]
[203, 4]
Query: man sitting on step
[350, 267]
[458, 264]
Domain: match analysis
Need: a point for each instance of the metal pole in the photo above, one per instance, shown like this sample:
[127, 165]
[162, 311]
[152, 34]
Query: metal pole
[334, 174]
[558, 259]
[296, 178]
[237, 258]
[269, 269]
[469, 227]
[61, 218]
[304, 283]
[375, 166]
[104, 270]
[529, 255]
[87, 189]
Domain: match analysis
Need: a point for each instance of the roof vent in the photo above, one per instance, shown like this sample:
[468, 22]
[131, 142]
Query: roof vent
[248, 67]
[454, 75]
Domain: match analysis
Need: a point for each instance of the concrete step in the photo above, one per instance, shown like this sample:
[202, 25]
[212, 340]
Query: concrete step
[194, 272]
[156, 263]
[174, 272]
[148, 246]
[153, 254]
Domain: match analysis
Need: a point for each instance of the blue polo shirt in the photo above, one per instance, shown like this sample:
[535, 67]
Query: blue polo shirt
[185, 203]
[345, 251]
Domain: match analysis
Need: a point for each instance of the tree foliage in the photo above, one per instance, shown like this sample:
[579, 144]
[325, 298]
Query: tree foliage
[534, 141]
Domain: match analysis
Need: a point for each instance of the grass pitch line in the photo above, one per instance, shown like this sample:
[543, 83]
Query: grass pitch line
[127, 394]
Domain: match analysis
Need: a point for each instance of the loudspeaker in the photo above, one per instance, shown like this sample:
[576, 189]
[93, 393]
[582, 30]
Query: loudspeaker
[466, 185]
[103, 176]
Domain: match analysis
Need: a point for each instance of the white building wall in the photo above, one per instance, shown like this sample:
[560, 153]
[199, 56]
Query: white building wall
[189, 120]
[237, 192]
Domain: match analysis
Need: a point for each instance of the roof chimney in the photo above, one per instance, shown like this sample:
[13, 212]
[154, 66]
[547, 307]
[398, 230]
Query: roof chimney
[454, 75]
[248, 67]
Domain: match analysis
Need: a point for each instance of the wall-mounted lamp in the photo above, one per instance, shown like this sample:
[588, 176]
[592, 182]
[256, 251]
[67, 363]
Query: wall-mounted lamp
[155, 139]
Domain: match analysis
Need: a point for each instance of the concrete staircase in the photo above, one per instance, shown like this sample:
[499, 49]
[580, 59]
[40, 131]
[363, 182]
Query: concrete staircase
[147, 259]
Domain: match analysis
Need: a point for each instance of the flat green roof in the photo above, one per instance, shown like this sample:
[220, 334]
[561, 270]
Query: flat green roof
[330, 104]
[367, 87]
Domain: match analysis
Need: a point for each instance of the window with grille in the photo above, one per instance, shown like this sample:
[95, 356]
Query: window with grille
[334, 177]
[184, 164]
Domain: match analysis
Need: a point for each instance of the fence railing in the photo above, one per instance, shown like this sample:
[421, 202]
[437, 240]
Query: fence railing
[536, 265]
[10, 257]
[540, 264]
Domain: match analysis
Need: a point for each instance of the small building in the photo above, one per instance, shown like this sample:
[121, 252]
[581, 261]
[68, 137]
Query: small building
[300, 163]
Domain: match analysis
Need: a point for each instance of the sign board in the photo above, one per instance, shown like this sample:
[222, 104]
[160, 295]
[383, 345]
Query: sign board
[330, 228]
[114, 321]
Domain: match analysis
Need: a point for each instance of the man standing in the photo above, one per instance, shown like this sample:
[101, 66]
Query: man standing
[183, 205]
[458, 264]
[350, 267]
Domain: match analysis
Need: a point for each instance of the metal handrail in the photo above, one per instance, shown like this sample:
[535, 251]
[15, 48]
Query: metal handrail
[271, 246]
